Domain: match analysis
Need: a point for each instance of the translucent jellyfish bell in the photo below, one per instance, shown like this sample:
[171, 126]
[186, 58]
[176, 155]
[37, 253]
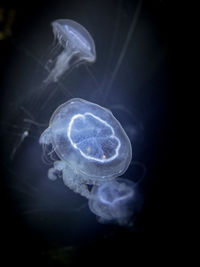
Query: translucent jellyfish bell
[90, 142]
[113, 201]
[78, 46]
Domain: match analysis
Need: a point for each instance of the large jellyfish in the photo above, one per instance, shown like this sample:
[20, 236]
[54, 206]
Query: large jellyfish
[90, 143]
[113, 201]
[77, 47]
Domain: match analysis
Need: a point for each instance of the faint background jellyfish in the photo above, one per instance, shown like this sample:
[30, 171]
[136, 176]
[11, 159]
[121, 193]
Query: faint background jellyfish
[114, 201]
[133, 125]
[76, 46]
[90, 142]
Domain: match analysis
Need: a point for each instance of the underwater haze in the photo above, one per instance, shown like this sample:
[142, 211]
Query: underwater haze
[131, 75]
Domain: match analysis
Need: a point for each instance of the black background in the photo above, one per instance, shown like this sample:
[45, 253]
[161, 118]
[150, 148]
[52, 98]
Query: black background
[25, 244]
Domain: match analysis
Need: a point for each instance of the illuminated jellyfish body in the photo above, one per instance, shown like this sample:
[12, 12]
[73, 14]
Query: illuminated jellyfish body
[113, 201]
[77, 47]
[90, 142]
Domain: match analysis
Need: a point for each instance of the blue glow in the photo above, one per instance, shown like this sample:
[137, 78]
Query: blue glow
[93, 137]
[77, 47]
[90, 142]
[113, 201]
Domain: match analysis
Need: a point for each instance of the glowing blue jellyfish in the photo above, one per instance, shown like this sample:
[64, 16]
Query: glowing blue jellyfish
[77, 46]
[90, 142]
[113, 201]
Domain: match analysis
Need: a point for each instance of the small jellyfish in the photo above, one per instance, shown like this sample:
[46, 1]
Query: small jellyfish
[77, 47]
[90, 143]
[114, 201]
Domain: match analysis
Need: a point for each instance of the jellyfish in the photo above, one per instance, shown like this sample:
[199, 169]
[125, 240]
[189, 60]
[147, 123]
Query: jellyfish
[113, 201]
[90, 143]
[77, 47]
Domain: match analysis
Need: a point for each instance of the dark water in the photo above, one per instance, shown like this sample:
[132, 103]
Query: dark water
[43, 222]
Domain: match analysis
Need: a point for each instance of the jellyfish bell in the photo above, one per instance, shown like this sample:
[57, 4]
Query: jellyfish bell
[113, 201]
[73, 34]
[77, 47]
[90, 142]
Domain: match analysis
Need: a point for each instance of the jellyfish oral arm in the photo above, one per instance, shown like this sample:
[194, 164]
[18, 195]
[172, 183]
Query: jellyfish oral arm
[71, 180]
[61, 65]
[77, 187]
